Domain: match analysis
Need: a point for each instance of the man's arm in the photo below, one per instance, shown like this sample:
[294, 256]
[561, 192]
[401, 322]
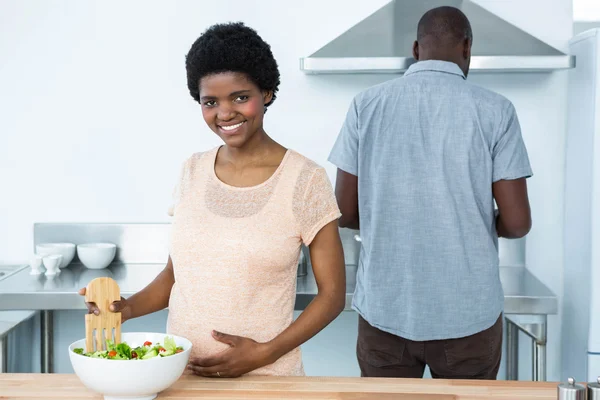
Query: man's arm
[346, 193]
[514, 213]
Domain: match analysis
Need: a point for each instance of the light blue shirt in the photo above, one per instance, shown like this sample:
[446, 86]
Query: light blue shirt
[426, 148]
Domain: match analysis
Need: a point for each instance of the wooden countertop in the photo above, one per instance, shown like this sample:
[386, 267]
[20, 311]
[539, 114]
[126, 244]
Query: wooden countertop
[68, 386]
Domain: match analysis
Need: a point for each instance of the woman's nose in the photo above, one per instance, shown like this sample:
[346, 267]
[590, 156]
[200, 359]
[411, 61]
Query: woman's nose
[225, 113]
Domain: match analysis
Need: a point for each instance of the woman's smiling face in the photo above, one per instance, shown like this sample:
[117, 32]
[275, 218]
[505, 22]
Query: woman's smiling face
[232, 106]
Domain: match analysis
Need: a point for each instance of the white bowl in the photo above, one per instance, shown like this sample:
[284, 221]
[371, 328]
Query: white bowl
[131, 379]
[96, 255]
[67, 250]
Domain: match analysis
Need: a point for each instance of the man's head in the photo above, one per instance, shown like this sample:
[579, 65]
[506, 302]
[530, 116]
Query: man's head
[444, 33]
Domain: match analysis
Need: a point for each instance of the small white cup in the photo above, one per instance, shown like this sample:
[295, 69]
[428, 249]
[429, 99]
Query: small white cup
[52, 263]
[36, 264]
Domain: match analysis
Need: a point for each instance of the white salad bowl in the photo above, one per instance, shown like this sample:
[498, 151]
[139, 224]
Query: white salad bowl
[116, 379]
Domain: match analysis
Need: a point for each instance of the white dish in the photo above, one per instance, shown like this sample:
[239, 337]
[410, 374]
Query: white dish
[52, 263]
[96, 255]
[131, 379]
[36, 264]
[67, 250]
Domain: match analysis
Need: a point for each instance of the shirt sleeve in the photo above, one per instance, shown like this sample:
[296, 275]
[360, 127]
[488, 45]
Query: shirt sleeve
[344, 153]
[177, 190]
[318, 206]
[509, 154]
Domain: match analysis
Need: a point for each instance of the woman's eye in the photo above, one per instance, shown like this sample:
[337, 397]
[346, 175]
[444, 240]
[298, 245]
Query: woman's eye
[241, 98]
[209, 103]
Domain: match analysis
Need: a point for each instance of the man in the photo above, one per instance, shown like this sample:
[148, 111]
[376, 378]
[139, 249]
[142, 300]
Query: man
[421, 160]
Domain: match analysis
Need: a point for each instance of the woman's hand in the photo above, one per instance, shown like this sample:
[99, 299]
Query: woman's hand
[121, 306]
[243, 356]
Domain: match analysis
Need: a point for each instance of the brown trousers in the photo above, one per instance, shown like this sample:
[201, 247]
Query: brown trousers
[381, 354]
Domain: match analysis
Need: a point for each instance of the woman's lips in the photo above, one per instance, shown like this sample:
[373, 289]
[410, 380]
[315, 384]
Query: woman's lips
[231, 129]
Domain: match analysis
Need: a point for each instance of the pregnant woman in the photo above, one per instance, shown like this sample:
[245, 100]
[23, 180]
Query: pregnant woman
[241, 212]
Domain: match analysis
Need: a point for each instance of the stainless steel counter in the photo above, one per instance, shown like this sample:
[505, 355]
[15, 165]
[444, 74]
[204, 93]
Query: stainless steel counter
[524, 294]
[142, 251]
[525, 297]
[5, 269]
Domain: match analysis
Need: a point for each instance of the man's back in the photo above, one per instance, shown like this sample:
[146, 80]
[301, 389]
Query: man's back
[426, 149]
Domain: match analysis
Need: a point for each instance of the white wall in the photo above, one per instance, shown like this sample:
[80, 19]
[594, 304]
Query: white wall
[96, 117]
[586, 10]
[548, 20]
[96, 114]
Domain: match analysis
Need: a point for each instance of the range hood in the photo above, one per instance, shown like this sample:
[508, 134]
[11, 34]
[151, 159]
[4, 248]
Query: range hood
[382, 43]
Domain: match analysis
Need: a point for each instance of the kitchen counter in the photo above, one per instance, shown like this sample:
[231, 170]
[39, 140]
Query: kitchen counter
[523, 292]
[68, 386]
[142, 249]
[525, 297]
[5, 269]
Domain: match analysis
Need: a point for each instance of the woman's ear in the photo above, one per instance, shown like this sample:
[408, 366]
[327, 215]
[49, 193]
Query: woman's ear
[267, 97]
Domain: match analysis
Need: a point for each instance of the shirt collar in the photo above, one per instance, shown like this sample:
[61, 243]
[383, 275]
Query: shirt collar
[435, 66]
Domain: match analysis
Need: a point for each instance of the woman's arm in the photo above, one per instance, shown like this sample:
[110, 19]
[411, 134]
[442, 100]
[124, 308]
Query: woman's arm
[155, 296]
[327, 258]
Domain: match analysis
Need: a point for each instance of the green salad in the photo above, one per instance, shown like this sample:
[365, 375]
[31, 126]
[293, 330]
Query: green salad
[123, 351]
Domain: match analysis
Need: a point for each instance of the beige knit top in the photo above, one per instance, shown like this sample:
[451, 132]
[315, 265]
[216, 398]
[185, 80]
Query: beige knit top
[235, 252]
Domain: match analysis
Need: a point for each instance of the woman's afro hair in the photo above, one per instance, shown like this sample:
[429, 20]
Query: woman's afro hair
[232, 47]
